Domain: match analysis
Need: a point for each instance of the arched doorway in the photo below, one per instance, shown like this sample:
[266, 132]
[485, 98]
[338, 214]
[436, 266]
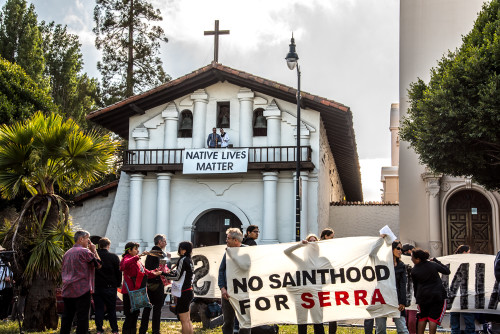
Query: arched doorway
[469, 222]
[210, 228]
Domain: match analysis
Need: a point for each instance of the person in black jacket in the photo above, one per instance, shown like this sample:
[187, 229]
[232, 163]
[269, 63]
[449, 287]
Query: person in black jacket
[251, 235]
[428, 289]
[107, 279]
[183, 274]
[155, 287]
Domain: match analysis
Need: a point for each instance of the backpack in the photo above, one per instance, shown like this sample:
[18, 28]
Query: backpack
[213, 310]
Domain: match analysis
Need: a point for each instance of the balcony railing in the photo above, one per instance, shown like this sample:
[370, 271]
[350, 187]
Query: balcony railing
[279, 158]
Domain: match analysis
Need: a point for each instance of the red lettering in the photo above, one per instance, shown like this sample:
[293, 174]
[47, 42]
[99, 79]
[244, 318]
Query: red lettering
[341, 296]
[307, 297]
[323, 297]
[360, 295]
[377, 297]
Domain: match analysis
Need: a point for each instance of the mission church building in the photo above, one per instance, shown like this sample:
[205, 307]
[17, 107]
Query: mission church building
[169, 183]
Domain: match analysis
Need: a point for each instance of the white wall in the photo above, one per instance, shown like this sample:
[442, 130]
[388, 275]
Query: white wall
[363, 220]
[428, 29]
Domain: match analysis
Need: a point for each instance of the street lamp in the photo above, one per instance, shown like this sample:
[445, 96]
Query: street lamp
[292, 61]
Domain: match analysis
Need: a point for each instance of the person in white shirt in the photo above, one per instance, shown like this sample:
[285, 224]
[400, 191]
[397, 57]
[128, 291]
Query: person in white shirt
[225, 138]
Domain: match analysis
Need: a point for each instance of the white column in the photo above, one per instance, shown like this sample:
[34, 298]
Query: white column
[246, 96]
[141, 138]
[432, 189]
[163, 205]
[304, 200]
[171, 117]
[200, 98]
[273, 116]
[135, 208]
[269, 215]
[394, 128]
[305, 139]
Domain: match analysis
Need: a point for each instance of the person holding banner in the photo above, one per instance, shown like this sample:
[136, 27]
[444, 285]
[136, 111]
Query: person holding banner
[183, 275]
[469, 318]
[134, 278]
[213, 140]
[233, 239]
[302, 328]
[327, 234]
[429, 291]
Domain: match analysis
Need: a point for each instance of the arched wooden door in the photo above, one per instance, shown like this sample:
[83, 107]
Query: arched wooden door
[210, 229]
[469, 222]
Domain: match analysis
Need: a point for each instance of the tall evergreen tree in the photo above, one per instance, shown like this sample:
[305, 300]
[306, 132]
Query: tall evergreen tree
[74, 92]
[20, 38]
[130, 47]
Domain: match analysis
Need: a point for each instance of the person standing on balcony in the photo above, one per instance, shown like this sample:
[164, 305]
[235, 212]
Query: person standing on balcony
[224, 138]
[213, 139]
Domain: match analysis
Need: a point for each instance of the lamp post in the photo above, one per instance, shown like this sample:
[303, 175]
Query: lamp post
[292, 61]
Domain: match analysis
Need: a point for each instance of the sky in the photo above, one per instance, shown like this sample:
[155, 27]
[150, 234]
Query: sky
[348, 52]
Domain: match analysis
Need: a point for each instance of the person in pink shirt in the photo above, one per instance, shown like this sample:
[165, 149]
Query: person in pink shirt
[78, 267]
[134, 277]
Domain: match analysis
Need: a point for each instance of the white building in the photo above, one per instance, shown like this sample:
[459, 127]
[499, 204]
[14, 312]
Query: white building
[439, 212]
[155, 196]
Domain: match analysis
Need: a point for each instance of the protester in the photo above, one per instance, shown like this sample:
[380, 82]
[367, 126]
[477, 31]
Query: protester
[133, 279]
[6, 290]
[429, 291]
[327, 234]
[411, 315]
[78, 265]
[469, 318]
[407, 249]
[184, 274]
[155, 287]
[497, 267]
[318, 328]
[233, 239]
[213, 139]
[251, 235]
[401, 280]
[224, 138]
[107, 279]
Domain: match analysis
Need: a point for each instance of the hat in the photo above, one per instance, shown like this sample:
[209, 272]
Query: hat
[407, 247]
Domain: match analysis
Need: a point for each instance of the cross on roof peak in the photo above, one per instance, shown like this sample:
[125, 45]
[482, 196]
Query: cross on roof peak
[216, 32]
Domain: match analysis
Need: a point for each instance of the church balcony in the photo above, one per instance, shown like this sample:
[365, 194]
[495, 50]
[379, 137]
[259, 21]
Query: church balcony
[260, 158]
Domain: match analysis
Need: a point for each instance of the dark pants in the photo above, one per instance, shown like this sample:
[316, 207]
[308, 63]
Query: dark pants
[318, 329]
[156, 298]
[5, 302]
[130, 323]
[80, 306]
[102, 297]
[228, 313]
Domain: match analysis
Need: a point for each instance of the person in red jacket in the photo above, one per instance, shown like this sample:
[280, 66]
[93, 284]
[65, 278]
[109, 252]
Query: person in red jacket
[134, 277]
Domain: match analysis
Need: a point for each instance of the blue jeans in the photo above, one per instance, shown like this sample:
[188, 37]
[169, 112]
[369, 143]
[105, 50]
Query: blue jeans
[469, 318]
[381, 326]
[400, 325]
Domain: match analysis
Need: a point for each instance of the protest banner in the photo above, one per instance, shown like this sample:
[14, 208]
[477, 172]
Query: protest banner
[471, 285]
[347, 278]
[214, 161]
[206, 262]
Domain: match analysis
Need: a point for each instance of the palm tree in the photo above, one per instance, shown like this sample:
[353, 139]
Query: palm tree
[39, 157]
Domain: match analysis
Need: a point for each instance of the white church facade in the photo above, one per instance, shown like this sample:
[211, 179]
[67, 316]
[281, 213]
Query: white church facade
[154, 195]
[439, 212]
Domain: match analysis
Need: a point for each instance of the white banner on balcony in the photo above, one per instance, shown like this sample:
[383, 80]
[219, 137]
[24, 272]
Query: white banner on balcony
[213, 160]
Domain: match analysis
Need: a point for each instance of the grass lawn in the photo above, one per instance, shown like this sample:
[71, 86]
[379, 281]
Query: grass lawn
[167, 327]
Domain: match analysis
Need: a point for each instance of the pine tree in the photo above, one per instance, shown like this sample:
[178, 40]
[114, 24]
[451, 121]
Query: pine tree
[72, 90]
[130, 47]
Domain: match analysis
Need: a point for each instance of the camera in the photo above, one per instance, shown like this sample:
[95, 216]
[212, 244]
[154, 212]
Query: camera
[7, 256]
